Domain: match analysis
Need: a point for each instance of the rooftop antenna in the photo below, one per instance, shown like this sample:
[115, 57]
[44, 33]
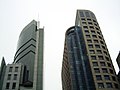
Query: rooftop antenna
[38, 22]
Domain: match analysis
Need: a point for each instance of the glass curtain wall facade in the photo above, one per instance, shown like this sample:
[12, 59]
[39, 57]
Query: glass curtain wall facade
[93, 63]
[28, 61]
[75, 62]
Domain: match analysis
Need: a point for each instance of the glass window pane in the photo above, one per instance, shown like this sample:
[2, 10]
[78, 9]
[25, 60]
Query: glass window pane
[102, 63]
[109, 85]
[100, 85]
[90, 46]
[93, 57]
[16, 69]
[96, 70]
[9, 77]
[92, 51]
[98, 77]
[95, 64]
[7, 85]
[15, 77]
[87, 14]
[104, 70]
[10, 69]
[14, 86]
[81, 14]
[106, 77]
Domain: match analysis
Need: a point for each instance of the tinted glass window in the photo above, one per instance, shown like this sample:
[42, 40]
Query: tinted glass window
[98, 77]
[109, 85]
[95, 64]
[87, 14]
[81, 14]
[100, 85]
[10, 69]
[16, 69]
[106, 77]
[14, 86]
[9, 77]
[7, 85]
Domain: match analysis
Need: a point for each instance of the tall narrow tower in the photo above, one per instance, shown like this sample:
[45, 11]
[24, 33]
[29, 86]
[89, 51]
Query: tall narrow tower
[86, 61]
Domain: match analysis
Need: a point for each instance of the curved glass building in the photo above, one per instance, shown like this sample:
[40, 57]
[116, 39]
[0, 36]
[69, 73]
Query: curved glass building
[26, 48]
[26, 71]
[87, 64]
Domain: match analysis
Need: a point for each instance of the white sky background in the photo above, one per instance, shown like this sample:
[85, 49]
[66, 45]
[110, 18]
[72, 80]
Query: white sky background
[57, 16]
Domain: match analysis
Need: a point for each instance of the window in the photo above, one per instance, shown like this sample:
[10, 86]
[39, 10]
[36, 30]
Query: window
[7, 85]
[100, 85]
[92, 15]
[105, 52]
[85, 27]
[90, 46]
[15, 77]
[95, 41]
[89, 41]
[109, 65]
[97, 46]
[102, 63]
[89, 19]
[95, 24]
[94, 20]
[83, 19]
[91, 27]
[14, 86]
[16, 69]
[9, 77]
[107, 58]
[109, 85]
[98, 77]
[111, 71]
[92, 51]
[99, 51]
[90, 23]
[93, 32]
[10, 69]
[96, 70]
[100, 37]
[100, 57]
[93, 57]
[98, 33]
[94, 36]
[113, 78]
[81, 14]
[87, 14]
[97, 28]
[84, 23]
[87, 36]
[103, 47]
[86, 31]
[101, 42]
[95, 64]
[104, 70]
[116, 85]
[106, 77]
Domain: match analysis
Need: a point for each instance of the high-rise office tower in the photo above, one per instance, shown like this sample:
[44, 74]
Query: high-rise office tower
[86, 61]
[26, 71]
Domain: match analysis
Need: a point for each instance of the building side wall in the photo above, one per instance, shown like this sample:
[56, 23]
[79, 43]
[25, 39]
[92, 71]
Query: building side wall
[100, 61]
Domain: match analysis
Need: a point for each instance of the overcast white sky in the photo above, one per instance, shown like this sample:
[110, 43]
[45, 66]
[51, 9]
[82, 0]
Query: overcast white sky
[57, 16]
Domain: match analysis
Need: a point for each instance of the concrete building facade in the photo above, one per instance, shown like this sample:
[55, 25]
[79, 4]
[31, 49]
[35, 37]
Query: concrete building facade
[87, 64]
[118, 62]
